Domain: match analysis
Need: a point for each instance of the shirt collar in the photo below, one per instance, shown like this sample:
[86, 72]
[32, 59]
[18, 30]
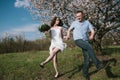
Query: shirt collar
[80, 22]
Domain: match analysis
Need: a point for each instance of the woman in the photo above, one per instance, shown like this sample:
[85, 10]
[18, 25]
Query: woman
[57, 45]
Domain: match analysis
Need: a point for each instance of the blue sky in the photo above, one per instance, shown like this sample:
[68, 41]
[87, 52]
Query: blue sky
[15, 19]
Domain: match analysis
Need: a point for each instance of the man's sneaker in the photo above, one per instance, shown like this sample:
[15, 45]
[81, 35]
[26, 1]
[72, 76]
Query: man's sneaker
[101, 66]
[87, 77]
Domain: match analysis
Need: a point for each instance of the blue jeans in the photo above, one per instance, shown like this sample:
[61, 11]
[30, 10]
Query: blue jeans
[88, 54]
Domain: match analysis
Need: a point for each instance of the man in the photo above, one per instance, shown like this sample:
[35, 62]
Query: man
[81, 28]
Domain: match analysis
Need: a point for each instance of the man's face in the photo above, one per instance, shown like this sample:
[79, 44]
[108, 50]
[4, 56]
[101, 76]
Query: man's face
[79, 16]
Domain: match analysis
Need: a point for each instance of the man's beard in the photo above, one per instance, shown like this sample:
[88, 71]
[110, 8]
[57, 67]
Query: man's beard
[80, 20]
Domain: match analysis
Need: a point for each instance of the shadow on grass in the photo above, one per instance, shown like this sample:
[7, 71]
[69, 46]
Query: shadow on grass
[110, 50]
[73, 71]
[108, 66]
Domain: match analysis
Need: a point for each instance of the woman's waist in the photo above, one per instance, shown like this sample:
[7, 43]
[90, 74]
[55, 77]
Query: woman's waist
[57, 41]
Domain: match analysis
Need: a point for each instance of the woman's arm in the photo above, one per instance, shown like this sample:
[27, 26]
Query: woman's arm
[68, 34]
[48, 33]
[62, 32]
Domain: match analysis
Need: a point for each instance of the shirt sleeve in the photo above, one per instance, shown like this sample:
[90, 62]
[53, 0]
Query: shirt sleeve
[90, 26]
[72, 26]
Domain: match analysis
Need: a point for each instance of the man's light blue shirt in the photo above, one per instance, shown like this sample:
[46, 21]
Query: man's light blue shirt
[81, 29]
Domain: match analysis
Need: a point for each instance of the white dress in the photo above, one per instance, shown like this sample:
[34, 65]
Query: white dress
[56, 39]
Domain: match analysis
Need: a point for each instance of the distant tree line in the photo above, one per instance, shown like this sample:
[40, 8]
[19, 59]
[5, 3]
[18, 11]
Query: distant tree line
[19, 44]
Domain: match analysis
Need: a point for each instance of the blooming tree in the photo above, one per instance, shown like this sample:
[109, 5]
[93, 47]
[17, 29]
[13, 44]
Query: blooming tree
[103, 14]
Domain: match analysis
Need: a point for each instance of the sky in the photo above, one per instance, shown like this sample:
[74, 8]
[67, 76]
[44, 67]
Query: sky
[15, 19]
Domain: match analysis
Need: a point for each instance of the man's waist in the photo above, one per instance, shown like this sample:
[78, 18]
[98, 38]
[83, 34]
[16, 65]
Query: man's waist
[81, 40]
[84, 39]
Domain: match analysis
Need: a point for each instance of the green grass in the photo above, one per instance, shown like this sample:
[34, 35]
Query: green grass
[25, 66]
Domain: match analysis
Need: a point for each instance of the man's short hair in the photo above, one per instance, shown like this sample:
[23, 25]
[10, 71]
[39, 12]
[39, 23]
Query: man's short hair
[79, 12]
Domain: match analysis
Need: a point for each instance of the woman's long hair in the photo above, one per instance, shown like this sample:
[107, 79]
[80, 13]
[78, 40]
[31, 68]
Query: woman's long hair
[54, 20]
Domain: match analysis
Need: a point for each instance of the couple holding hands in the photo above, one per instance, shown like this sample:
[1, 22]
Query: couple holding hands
[80, 28]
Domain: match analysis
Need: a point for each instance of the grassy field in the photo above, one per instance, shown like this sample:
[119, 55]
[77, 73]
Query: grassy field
[25, 66]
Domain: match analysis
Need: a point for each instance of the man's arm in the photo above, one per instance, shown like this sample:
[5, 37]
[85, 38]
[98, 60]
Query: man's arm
[92, 33]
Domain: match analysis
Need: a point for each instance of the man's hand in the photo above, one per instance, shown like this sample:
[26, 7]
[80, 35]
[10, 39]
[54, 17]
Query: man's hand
[91, 38]
[91, 34]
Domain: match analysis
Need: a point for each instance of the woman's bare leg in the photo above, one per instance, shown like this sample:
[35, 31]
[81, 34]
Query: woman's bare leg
[55, 65]
[50, 57]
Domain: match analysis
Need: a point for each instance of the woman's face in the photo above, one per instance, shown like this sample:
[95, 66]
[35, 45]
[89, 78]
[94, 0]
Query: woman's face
[57, 21]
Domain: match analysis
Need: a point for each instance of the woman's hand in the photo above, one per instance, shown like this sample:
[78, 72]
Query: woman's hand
[68, 34]
[67, 37]
[46, 32]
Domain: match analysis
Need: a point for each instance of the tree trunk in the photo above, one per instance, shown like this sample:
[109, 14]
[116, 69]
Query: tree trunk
[96, 43]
